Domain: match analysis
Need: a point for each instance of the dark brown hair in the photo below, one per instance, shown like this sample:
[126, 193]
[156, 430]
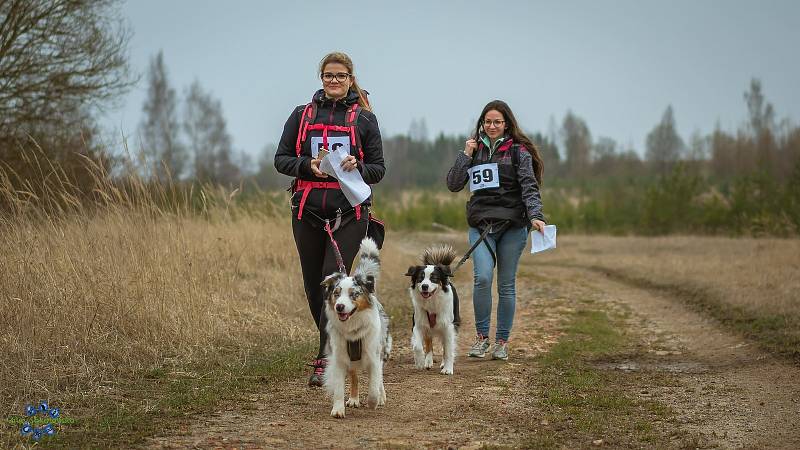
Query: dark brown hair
[343, 59]
[513, 130]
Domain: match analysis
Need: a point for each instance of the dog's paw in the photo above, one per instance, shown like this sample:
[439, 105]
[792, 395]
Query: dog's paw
[382, 399]
[353, 402]
[446, 370]
[429, 360]
[373, 400]
[419, 360]
[337, 412]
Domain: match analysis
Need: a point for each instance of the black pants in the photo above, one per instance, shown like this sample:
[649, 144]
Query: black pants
[318, 259]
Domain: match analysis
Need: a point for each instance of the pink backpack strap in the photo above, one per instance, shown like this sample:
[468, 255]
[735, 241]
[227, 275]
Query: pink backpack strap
[351, 121]
[309, 114]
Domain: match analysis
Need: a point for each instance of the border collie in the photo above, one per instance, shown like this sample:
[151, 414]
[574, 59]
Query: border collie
[435, 308]
[358, 330]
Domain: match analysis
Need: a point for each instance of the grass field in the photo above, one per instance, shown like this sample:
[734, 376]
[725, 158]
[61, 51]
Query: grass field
[134, 313]
[750, 285]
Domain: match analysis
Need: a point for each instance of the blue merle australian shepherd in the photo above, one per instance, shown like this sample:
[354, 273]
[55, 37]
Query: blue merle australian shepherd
[358, 330]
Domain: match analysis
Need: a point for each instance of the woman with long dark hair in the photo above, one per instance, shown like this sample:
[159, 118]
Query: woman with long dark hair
[504, 170]
[338, 116]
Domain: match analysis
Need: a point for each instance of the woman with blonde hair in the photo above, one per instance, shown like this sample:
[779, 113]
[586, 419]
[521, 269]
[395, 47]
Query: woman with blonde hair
[338, 116]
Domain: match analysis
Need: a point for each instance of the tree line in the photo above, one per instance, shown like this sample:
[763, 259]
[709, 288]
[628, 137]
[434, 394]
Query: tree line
[64, 62]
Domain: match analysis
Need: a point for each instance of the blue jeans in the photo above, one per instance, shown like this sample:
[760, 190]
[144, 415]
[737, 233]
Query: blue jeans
[508, 247]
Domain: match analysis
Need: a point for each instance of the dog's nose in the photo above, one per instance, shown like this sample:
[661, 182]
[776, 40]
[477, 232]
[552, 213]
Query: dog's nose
[424, 287]
[339, 307]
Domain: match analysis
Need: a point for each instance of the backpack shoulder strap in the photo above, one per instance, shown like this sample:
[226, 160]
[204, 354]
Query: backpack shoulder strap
[515, 156]
[308, 118]
[351, 121]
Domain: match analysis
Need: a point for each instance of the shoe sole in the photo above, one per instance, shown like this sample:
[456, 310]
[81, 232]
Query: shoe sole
[475, 356]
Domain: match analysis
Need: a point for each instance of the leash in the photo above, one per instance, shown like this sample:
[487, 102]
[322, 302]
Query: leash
[339, 260]
[486, 231]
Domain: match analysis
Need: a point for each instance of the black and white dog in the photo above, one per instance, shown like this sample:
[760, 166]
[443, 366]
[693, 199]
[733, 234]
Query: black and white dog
[358, 331]
[435, 308]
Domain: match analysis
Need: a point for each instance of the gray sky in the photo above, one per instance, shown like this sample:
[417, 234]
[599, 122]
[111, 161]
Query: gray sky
[617, 64]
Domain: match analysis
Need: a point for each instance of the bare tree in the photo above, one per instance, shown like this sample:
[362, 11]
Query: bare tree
[59, 52]
[418, 130]
[578, 144]
[208, 136]
[762, 114]
[762, 126]
[159, 130]
[664, 145]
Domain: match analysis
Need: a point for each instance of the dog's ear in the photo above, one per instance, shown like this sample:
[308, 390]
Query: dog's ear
[445, 270]
[331, 279]
[411, 271]
[367, 283]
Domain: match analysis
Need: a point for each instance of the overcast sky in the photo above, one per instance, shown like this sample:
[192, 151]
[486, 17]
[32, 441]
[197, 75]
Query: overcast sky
[617, 64]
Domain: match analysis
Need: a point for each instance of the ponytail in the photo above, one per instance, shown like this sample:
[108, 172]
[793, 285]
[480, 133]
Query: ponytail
[363, 100]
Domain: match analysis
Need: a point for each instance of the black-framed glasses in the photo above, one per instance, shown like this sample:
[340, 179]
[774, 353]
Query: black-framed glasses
[496, 123]
[341, 77]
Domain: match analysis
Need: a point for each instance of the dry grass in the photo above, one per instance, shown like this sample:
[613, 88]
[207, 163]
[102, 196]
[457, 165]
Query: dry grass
[139, 284]
[98, 287]
[90, 300]
[756, 279]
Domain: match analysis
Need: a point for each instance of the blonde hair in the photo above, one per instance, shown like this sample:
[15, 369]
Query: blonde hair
[343, 59]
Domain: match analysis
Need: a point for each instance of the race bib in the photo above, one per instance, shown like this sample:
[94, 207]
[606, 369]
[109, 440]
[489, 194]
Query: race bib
[483, 176]
[334, 143]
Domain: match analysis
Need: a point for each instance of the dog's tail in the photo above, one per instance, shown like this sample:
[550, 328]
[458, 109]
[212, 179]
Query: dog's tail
[443, 254]
[369, 264]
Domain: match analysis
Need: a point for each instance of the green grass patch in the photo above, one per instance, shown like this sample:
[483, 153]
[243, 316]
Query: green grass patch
[583, 403]
[160, 399]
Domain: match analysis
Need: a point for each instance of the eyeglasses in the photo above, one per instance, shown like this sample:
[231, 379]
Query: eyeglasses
[341, 77]
[496, 123]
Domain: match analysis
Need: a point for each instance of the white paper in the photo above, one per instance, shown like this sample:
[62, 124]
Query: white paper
[353, 186]
[543, 241]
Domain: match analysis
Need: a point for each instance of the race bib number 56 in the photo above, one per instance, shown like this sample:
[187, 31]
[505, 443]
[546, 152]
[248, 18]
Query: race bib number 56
[334, 143]
[483, 176]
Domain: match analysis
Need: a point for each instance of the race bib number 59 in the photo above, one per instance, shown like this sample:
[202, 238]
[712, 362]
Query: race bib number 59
[483, 176]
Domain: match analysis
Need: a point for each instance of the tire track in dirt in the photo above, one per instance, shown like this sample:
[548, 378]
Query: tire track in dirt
[728, 390]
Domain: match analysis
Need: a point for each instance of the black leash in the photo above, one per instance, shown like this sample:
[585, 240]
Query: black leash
[486, 231]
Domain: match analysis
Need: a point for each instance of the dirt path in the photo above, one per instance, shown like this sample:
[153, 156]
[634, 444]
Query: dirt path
[720, 387]
[727, 390]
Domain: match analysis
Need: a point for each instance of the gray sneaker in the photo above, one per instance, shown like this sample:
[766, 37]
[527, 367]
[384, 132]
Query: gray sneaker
[500, 350]
[478, 349]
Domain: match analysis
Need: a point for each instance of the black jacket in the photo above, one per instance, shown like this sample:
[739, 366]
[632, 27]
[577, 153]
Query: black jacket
[325, 202]
[516, 199]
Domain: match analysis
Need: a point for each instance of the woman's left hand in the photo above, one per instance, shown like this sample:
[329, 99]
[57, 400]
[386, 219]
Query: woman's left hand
[538, 225]
[349, 163]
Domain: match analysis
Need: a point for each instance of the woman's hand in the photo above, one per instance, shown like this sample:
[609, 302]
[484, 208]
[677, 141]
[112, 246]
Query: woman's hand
[349, 163]
[470, 146]
[538, 225]
[315, 169]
